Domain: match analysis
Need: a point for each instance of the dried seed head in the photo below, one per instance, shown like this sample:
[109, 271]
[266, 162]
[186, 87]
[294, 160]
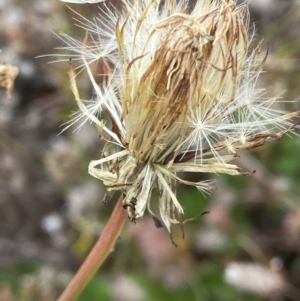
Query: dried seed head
[8, 75]
[180, 93]
[255, 278]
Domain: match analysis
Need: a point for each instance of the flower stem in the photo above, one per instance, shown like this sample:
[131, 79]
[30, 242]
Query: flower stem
[97, 255]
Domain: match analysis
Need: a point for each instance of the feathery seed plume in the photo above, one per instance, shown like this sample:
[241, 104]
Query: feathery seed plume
[180, 94]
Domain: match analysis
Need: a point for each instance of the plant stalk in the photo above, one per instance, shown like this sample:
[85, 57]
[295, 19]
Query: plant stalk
[98, 254]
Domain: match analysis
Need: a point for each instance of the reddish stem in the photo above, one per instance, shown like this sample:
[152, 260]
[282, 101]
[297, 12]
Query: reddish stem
[97, 255]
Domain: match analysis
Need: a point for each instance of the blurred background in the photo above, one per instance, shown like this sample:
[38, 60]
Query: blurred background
[51, 212]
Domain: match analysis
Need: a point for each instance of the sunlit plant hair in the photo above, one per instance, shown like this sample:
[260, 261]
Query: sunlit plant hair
[180, 93]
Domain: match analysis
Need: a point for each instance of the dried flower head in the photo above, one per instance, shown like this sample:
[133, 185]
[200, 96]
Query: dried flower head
[8, 75]
[180, 94]
[255, 278]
